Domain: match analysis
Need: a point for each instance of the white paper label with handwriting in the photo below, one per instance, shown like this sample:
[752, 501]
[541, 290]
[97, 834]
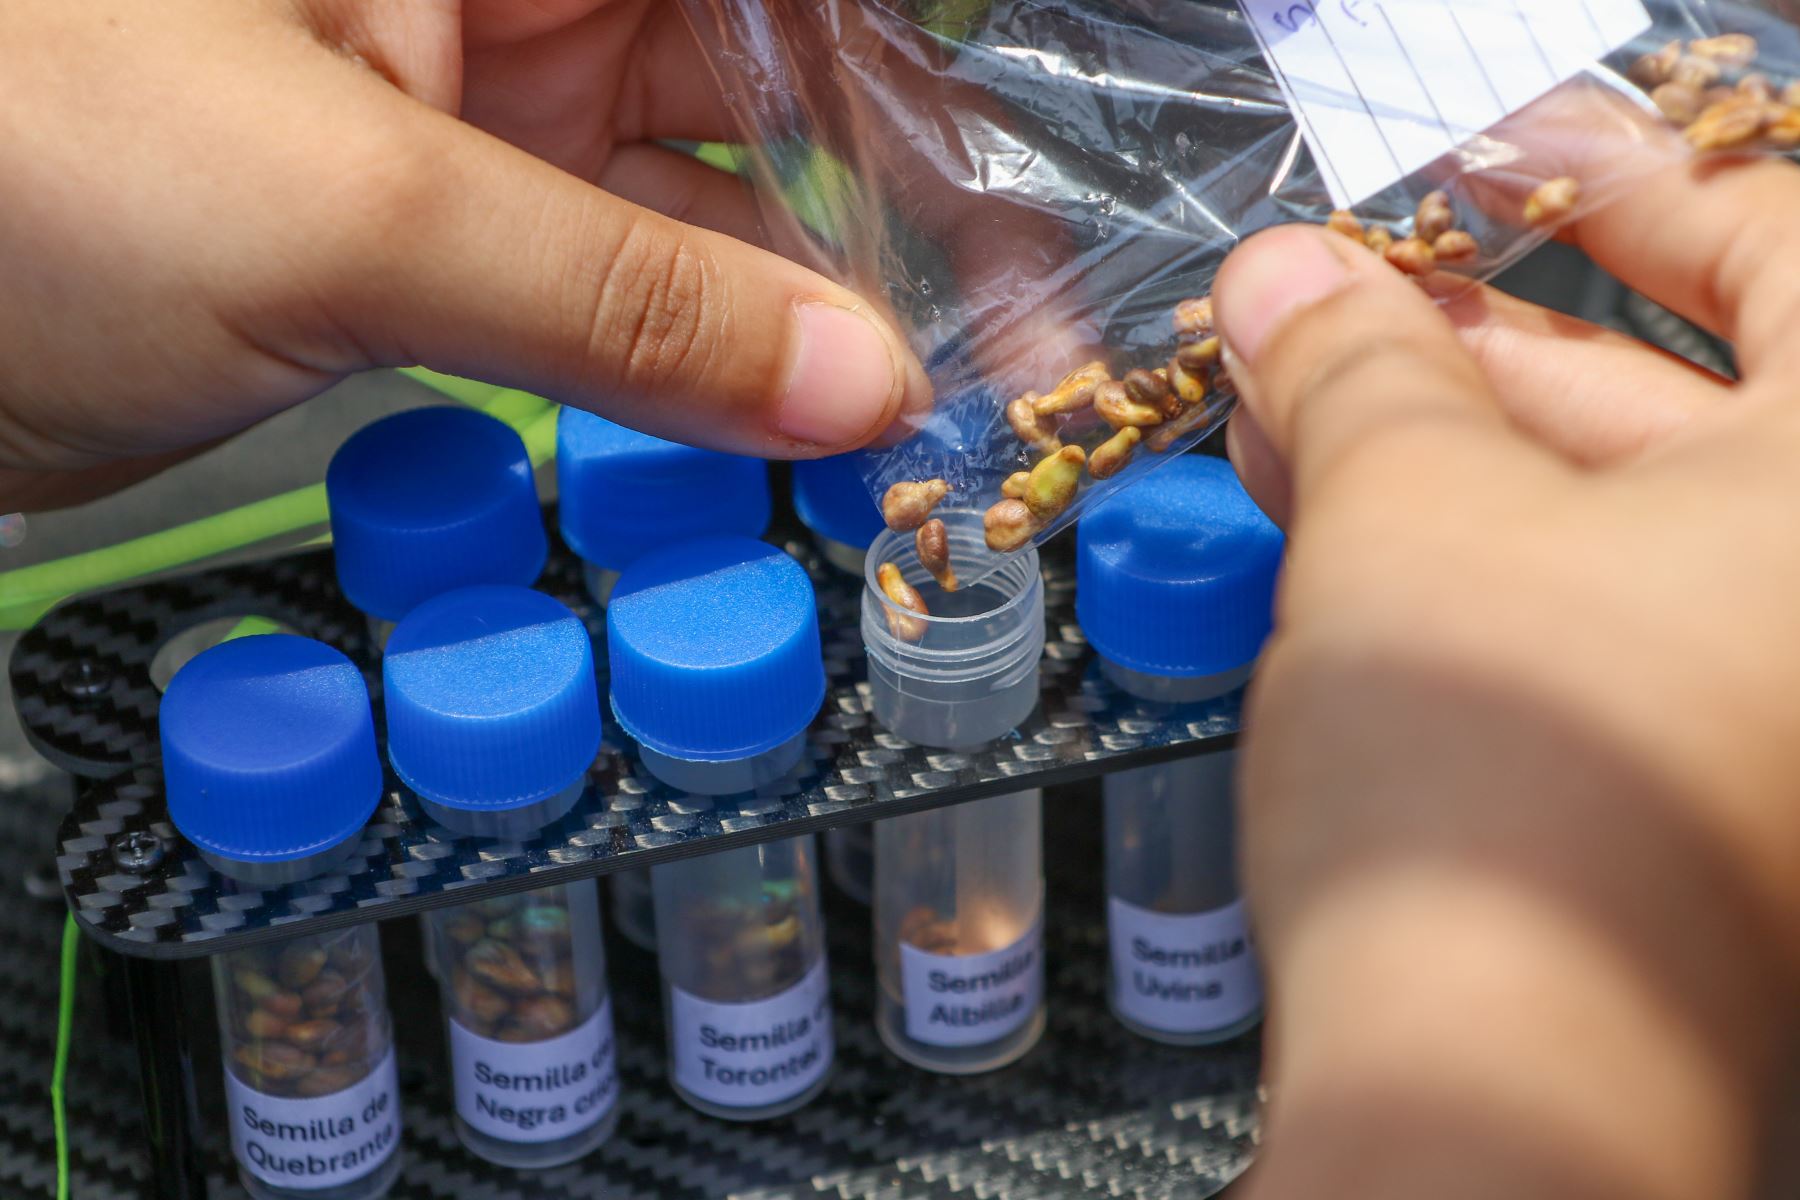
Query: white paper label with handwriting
[1382, 88]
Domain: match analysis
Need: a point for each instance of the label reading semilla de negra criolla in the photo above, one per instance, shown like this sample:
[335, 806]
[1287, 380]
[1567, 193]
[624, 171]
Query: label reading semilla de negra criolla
[318, 1142]
[753, 1054]
[972, 999]
[1183, 972]
[536, 1091]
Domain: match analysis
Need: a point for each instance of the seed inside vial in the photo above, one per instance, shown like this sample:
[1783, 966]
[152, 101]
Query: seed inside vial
[901, 624]
[932, 543]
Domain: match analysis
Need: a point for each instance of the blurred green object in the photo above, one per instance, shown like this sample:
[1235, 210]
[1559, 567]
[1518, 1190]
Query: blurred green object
[26, 594]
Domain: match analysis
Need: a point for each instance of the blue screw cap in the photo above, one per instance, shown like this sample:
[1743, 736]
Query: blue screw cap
[832, 500]
[1175, 575]
[490, 698]
[625, 493]
[429, 500]
[715, 650]
[269, 749]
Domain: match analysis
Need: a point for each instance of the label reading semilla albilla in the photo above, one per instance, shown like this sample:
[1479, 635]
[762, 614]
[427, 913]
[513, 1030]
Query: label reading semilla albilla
[973, 999]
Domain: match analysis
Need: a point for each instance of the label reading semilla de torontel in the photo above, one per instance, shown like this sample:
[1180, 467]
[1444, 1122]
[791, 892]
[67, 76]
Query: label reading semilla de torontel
[973, 999]
[318, 1142]
[757, 1053]
[536, 1091]
[1183, 973]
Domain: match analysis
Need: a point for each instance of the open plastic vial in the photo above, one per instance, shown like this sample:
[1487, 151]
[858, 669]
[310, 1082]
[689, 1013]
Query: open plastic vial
[271, 772]
[493, 719]
[1175, 590]
[971, 674]
[622, 493]
[427, 501]
[959, 892]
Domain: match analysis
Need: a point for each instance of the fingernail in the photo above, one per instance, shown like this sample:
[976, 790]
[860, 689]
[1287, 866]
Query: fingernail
[1268, 279]
[841, 383]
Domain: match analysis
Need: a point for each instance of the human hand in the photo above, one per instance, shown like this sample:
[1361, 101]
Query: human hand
[1518, 793]
[217, 208]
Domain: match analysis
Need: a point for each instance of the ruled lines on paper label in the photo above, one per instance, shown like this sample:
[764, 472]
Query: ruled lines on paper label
[1383, 88]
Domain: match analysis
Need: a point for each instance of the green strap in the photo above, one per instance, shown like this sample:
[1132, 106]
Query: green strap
[65, 1023]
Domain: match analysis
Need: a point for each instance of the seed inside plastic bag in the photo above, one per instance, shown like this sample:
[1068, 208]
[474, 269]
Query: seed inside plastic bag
[906, 506]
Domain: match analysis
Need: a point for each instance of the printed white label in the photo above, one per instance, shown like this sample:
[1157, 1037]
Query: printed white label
[755, 1054]
[318, 1142]
[1183, 972]
[1382, 88]
[536, 1091]
[972, 999]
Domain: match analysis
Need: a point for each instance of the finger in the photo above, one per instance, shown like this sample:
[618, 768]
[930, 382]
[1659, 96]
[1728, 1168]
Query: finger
[504, 22]
[1589, 393]
[1260, 468]
[1714, 240]
[1717, 243]
[571, 95]
[38, 491]
[1345, 363]
[496, 265]
[680, 186]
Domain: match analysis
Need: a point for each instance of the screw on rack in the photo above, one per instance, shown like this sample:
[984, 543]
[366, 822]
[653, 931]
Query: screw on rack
[137, 851]
[85, 679]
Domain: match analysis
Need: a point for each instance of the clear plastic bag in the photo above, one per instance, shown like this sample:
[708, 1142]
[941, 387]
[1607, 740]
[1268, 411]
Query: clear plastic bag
[1030, 185]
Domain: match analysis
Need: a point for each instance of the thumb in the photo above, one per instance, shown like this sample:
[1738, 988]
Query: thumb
[501, 267]
[1347, 367]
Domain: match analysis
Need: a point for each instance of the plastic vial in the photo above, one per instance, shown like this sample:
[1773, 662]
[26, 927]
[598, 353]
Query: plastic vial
[493, 719]
[717, 669]
[623, 493]
[1175, 590]
[271, 771]
[427, 501]
[833, 502]
[850, 860]
[959, 903]
[973, 675]
[717, 672]
[746, 991]
[959, 892]
[633, 906]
